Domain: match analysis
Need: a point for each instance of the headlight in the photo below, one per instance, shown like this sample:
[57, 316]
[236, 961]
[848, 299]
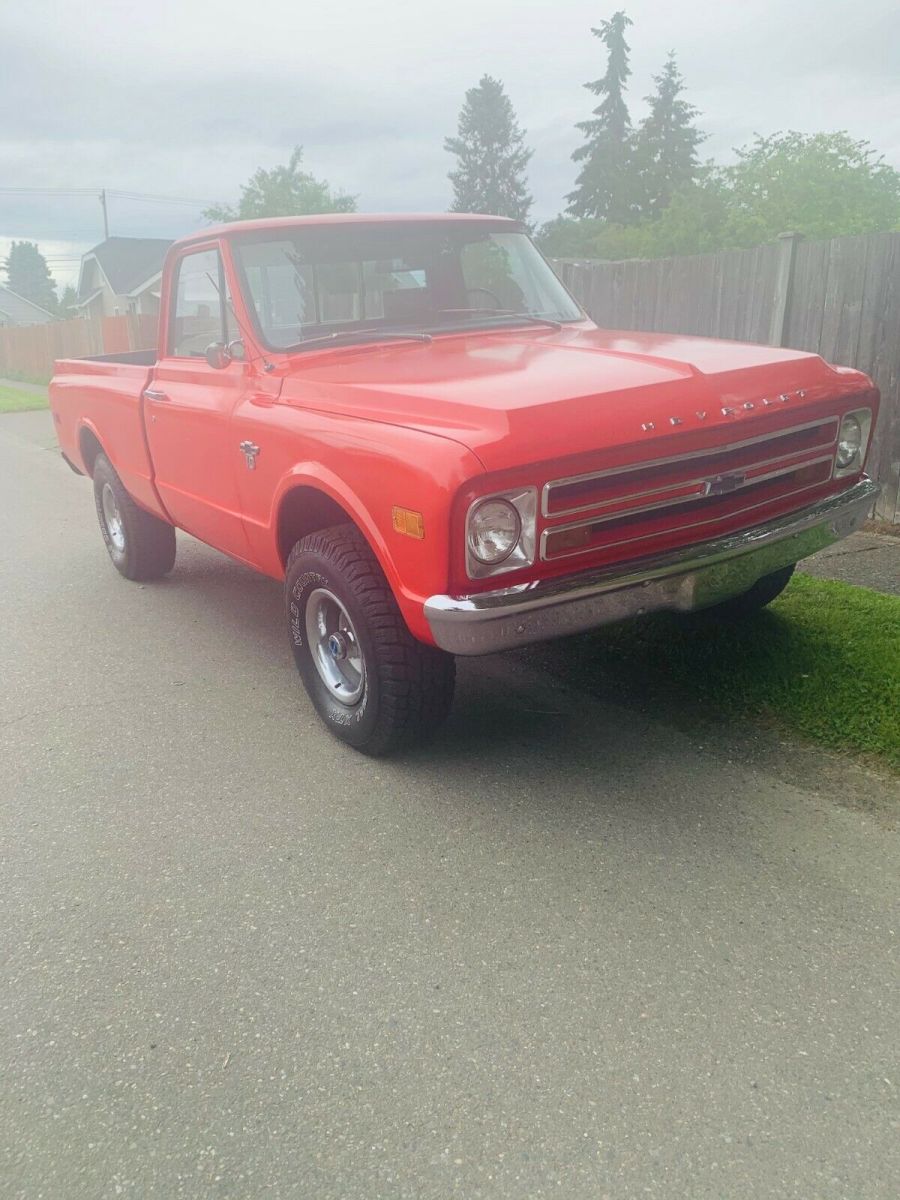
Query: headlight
[500, 533]
[852, 442]
[494, 529]
[849, 441]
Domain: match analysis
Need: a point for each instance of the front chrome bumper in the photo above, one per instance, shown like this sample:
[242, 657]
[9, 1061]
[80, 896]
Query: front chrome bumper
[691, 578]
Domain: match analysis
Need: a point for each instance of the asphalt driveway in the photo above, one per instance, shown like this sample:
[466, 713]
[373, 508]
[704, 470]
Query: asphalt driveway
[570, 950]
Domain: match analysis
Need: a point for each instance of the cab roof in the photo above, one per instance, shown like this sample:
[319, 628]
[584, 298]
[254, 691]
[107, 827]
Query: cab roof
[268, 223]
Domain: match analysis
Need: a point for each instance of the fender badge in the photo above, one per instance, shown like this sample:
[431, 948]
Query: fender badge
[648, 427]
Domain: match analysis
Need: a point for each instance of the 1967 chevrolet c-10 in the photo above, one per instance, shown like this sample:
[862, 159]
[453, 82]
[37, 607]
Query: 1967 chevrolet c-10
[411, 422]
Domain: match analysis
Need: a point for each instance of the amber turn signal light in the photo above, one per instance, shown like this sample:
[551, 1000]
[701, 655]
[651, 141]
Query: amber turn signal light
[406, 520]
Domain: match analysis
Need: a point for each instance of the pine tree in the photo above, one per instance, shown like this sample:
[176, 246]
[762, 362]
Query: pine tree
[667, 141]
[492, 155]
[28, 275]
[607, 186]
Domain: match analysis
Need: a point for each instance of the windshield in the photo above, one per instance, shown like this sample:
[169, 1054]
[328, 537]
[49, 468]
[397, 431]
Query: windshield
[308, 283]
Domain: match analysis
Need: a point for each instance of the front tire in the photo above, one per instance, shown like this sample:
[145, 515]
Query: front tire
[763, 592]
[374, 685]
[140, 545]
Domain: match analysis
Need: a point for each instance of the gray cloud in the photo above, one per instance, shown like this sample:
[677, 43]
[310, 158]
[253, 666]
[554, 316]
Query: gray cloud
[188, 98]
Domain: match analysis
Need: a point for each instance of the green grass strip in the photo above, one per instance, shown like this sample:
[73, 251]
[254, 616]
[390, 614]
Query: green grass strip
[13, 399]
[823, 660]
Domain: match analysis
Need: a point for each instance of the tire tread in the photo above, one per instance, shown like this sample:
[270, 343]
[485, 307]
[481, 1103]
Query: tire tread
[416, 680]
[150, 542]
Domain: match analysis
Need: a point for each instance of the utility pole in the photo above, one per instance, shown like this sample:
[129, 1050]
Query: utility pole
[105, 214]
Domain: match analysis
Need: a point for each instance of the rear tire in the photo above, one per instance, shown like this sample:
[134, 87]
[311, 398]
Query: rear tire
[374, 685]
[140, 545]
[763, 592]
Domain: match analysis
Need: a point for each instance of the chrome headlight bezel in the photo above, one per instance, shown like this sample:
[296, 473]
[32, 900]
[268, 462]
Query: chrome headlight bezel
[521, 554]
[863, 418]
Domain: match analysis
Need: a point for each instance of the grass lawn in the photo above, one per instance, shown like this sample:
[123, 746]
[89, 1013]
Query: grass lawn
[13, 399]
[823, 661]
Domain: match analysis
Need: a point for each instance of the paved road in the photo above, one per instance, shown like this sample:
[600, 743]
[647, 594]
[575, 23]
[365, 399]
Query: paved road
[568, 951]
[867, 559]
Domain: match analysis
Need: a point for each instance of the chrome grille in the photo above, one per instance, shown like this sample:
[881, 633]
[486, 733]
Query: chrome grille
[631, 503]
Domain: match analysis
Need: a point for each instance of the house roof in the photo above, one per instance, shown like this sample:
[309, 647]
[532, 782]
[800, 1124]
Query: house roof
[21, 311]
[88, 298]
[127, 262]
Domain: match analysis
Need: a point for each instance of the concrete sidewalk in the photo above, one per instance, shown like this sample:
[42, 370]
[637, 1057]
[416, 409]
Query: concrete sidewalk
[870, 560]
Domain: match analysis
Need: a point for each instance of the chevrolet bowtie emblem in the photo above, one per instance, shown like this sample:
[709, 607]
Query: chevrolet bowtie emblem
[721, 485]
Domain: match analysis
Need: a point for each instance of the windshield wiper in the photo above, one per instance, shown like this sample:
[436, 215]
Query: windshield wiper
[362, 335]
[503, 313]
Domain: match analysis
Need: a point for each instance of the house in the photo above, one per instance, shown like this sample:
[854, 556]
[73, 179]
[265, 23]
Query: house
[16, 310]
[120, 276]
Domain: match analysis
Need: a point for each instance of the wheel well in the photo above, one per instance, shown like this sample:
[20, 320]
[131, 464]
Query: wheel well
[303, 511]
[90, 447]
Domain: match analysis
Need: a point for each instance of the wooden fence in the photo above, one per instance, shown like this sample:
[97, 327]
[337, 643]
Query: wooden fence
[838, 298]
[31, 349]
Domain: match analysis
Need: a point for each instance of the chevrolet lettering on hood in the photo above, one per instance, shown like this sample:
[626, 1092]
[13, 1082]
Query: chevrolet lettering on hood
[730, 410]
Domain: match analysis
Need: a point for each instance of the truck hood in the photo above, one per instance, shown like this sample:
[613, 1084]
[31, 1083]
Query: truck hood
[523, 396]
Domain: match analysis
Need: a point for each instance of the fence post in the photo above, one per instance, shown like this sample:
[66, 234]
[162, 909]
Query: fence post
[787, 253]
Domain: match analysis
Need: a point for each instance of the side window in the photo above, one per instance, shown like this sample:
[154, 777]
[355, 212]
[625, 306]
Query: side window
[202, 306]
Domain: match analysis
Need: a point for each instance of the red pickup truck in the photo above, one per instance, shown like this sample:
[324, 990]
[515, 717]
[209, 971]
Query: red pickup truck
[411, 422]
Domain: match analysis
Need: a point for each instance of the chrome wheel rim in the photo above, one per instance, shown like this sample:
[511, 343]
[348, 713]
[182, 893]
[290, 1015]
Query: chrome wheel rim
[335, 647]
[112, 518]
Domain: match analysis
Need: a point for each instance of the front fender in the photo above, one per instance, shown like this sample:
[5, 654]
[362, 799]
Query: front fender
[367, 469]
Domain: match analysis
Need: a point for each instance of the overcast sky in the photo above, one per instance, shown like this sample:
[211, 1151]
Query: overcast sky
[186, 98]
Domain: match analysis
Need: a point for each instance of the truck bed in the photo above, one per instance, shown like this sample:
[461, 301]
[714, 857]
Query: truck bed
[138, 358]
[104, 393]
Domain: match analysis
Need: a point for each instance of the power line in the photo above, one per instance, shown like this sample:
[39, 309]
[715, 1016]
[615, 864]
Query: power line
[147, 197]
[103, 195]
[151, 199]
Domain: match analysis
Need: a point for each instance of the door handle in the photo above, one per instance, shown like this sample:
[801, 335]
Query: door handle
[153, 394]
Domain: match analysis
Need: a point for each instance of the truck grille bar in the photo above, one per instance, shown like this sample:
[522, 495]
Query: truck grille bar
[631, 503]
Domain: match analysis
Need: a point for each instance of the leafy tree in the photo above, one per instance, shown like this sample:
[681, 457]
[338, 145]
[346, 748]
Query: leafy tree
[821, 185]
[692, 224]
[67, 301]
[667, 141]
[695, 222]
[286, 191]
[607, 183]
[491, 155]
[570, 237]
[28, 275]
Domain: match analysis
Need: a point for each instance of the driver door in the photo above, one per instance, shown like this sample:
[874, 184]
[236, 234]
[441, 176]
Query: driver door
[189, 407]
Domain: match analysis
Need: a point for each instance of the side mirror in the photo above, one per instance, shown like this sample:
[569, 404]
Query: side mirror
[217, 355]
